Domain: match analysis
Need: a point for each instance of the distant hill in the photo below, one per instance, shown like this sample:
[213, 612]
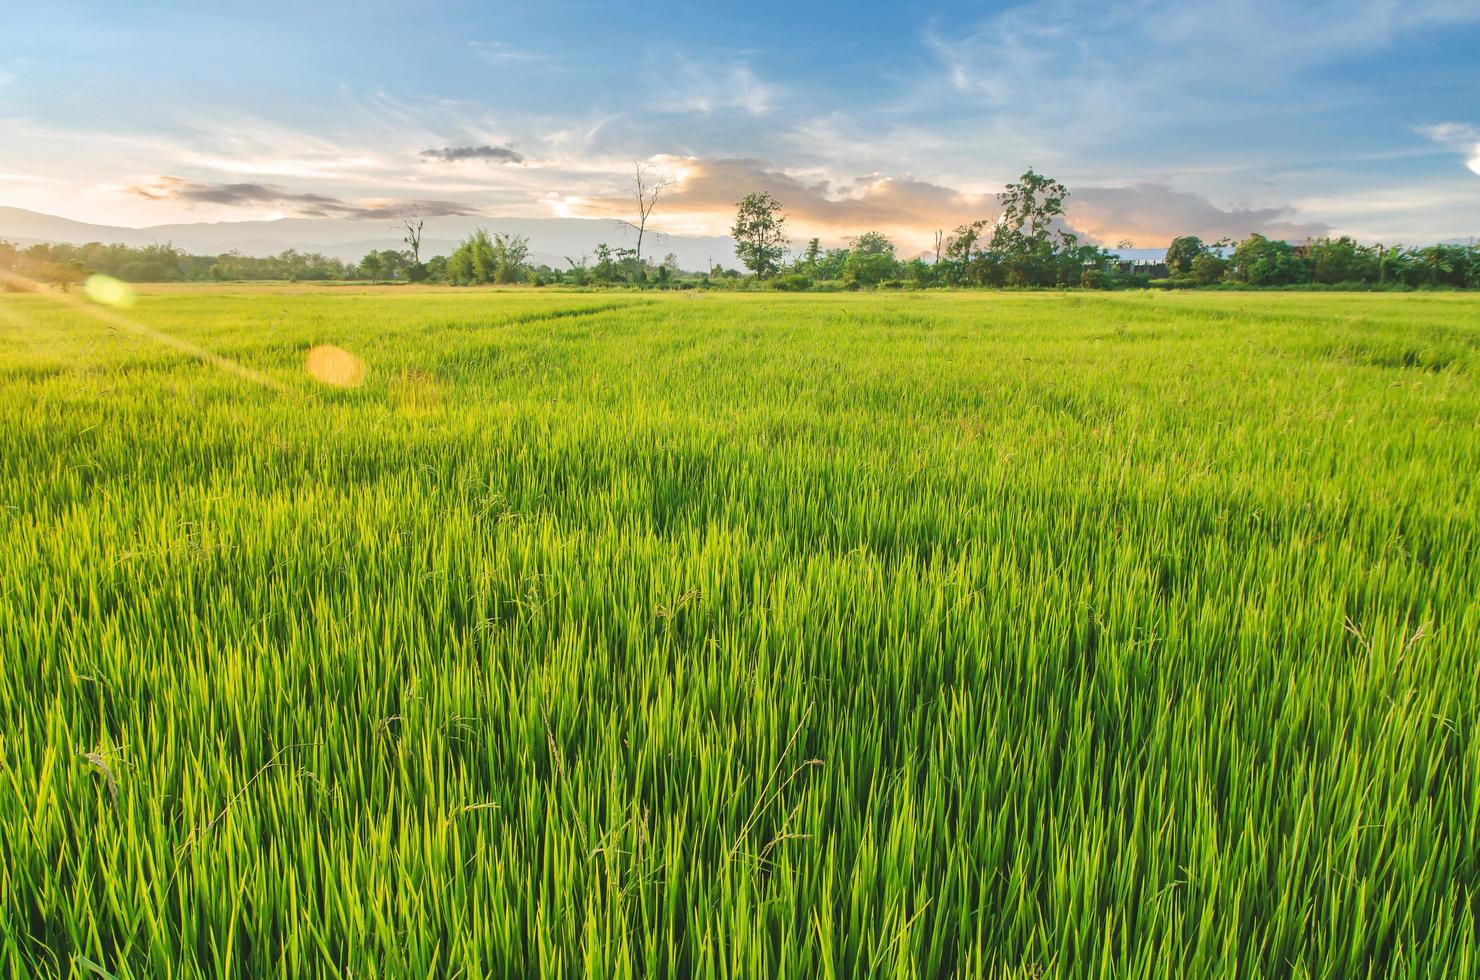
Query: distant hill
[550, 239]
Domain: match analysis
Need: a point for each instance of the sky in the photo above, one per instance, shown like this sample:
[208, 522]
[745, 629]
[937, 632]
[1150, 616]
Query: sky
[1359, 117]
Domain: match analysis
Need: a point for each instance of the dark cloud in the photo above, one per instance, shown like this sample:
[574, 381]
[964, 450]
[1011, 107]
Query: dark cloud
[489, 154]
[302, 205]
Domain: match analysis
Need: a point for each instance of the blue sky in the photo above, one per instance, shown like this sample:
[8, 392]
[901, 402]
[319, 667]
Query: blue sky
[1360, 117]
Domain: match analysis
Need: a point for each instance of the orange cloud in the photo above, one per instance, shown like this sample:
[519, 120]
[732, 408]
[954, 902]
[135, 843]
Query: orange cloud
[703, 198]
[706, 191]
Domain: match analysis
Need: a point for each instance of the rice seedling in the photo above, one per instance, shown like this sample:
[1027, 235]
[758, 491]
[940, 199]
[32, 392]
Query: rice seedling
[557, 634]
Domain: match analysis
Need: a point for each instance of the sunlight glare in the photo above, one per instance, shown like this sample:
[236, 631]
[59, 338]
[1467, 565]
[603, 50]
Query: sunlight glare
[109, 291]
[336, 366]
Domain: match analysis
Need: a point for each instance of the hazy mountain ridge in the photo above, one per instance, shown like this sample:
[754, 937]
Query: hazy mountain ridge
[550, 239]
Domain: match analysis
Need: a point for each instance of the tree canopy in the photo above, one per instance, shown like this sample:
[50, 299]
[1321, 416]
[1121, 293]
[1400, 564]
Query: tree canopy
[760, 234]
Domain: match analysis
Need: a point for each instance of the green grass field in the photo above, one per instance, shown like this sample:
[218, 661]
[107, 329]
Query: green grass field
[614, 635]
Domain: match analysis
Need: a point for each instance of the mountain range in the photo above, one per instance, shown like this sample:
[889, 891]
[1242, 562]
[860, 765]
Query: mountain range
[550, 239]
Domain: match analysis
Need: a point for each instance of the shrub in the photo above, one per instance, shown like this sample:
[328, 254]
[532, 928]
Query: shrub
[1208, 268]
[793, 283]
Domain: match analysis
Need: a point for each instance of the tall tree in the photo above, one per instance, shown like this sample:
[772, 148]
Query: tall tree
[812, 254]
[1030, 207]
[372, 267]
[1024, 237]
[1262, 261]
[646, 187]
[1182, 253]
[760, 233]
[578, 274]
[870, 260]
[510, 257]
[411, 223]
[962, 253]
[873, 243]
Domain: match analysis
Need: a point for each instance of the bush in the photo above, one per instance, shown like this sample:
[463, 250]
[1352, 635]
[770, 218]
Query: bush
[1208, 268]
[793, 283]
[869, 268]
[1183, 253]
[1261, 261]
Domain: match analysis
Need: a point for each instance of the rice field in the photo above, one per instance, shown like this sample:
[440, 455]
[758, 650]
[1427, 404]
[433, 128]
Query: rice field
[541, 634]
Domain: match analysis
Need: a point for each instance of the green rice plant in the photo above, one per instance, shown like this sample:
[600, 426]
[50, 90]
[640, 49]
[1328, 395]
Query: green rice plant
[1015, 635]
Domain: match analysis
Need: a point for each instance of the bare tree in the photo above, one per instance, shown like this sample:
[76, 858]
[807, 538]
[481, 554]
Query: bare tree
[646, 186]
[940, 239]
[411, 223]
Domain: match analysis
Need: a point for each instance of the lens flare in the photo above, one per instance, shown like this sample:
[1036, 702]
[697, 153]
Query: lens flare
[109, 291]
[336, 366]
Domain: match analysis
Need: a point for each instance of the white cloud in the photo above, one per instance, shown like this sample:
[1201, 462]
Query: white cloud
[1416, 215]
[503, 53]
[1072, 75]
[693, 86]
[1459, 136]
[1148, 105]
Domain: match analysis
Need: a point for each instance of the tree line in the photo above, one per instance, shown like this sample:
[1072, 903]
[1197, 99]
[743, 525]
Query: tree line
[481, 259]
[1028, 245]
[66, 265]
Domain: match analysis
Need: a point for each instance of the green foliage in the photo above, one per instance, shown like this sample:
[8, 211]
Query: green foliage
[511, 257]
[38, 266]
[812, 256]
[872, 243]
[385, 264]
[1452, 266]
[968, 260]
[1208, 268]
[1341, 260]
[619, 635]
[920, 272]
[372, 267]
[870, 260]
[794, 282]
[1028, 246]
[760, 234]
[1028, 238]
[830, 264]
[1182, 253]
[481, 259]
[620, 265]
[1030, 209]
[165, 263]
[1261, 261]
